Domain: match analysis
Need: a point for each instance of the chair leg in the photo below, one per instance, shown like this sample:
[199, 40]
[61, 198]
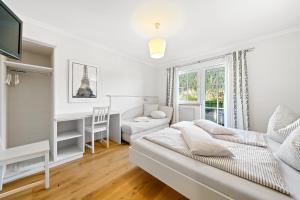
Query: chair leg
[101, 137]
[93, 143]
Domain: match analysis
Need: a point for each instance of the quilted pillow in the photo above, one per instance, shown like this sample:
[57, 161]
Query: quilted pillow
[148, 108]
[289, 151]
[283, 133]
[281, 118]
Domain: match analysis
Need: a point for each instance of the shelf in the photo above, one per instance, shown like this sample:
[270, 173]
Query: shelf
[18, 169]
[68, 151]
[28, 67]
[68, 135]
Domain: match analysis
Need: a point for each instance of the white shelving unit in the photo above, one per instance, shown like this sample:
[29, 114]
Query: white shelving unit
[68, 151]
[68, 135]
[33, 112]
[68, 139]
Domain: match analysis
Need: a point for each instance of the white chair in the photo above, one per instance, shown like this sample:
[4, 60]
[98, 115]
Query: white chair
[100, 124]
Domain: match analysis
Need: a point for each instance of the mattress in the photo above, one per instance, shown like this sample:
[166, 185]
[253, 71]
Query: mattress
[231, 185]
[131, 127]
[131, 137]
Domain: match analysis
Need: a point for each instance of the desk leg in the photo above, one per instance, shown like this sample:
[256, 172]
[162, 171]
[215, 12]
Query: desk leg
[115, 128]
[47, 170]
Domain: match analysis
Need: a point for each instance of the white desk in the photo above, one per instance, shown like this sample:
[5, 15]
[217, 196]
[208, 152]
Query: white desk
[114, 125]
[69, 134]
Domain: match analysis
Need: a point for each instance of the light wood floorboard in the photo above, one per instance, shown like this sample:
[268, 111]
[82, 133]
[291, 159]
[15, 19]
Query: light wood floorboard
[107, 175]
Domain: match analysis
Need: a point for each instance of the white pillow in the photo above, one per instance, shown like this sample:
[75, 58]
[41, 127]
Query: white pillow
[289, 151]
[148, 108]
[286, 131]
[201, 143]
[281, 118]
[213, 128]
[158, 114]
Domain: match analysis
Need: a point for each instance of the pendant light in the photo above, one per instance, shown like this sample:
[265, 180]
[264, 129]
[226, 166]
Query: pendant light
[157, 46]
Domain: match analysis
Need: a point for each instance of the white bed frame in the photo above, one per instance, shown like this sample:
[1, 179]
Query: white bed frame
[182, 183]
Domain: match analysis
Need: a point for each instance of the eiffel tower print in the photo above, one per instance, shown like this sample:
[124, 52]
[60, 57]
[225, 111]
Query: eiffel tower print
[85, 90]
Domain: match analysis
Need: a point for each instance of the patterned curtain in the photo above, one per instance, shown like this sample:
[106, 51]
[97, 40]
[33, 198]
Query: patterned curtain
[172, 92]
[170, 86]
[238, 90]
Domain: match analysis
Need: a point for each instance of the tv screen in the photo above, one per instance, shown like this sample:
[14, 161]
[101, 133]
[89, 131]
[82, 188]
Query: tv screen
[10, 33]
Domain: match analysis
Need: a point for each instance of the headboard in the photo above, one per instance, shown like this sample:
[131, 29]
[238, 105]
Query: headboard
[130, 105]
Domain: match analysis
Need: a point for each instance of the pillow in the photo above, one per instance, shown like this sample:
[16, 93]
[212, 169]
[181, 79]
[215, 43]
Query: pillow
[148, 108]
[166, 109]
[213, 128]
[283, 133]
[201, 143]
[158, 114]
[289, 151]
[281, 118]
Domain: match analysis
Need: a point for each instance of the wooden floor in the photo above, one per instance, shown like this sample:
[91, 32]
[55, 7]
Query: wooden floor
[108, 174]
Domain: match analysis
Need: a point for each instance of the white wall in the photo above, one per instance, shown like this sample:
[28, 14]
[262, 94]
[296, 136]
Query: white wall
[119, 75]
[274, 70]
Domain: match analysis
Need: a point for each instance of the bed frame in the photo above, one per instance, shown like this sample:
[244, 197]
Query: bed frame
[180, 182]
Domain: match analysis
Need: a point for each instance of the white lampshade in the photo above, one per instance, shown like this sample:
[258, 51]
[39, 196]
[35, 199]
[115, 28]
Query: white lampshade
[157, 48]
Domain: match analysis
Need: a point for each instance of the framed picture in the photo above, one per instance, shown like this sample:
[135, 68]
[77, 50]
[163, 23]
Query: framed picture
[83, 82]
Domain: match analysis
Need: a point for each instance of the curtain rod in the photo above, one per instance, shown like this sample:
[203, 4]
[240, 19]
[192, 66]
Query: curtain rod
[211, 58]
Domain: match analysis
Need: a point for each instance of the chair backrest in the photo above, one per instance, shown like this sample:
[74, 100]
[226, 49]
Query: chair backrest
[101, 115]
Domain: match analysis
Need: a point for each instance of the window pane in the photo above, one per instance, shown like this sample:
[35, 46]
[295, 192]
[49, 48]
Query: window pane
[192, 87]
[183, 80]
[221, 117]
[211, 95]
[211, 114]
[188, 87]
[182, 94]
[221, 98]
[210, 77]
[214, 94]
[221, 75]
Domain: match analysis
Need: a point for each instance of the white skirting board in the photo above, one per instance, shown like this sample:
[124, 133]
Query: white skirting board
[185, 185]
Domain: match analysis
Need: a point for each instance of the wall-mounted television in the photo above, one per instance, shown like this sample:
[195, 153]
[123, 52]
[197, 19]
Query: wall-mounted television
[10, 33]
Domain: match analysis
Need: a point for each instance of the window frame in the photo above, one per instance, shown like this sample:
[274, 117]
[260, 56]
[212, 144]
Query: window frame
[203, 93]
[200, 68]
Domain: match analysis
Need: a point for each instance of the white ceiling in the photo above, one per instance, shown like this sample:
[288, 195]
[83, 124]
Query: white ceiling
[190, 27]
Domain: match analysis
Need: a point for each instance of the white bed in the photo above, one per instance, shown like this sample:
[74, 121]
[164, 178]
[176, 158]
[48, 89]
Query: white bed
[197, 180]
[132, 130]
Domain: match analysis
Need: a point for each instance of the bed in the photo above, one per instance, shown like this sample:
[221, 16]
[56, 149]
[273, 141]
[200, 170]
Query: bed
[197, 180]
[132, 130]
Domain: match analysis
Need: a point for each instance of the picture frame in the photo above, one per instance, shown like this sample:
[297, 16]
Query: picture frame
[83, 82]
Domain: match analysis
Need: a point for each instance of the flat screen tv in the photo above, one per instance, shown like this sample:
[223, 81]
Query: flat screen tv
[10, 33]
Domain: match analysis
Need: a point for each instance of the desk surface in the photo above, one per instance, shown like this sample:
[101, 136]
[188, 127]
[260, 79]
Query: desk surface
[80, 115]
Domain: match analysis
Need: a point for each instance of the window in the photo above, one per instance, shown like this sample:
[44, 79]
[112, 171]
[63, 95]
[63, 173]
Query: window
[188, 87]
[214, 94]
[203, 89]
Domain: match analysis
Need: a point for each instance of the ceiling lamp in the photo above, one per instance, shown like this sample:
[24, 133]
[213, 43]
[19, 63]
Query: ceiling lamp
[157, 46]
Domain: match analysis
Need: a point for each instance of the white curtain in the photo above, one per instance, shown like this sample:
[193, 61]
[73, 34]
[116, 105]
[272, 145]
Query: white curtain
[238, 95]
[172, 92]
